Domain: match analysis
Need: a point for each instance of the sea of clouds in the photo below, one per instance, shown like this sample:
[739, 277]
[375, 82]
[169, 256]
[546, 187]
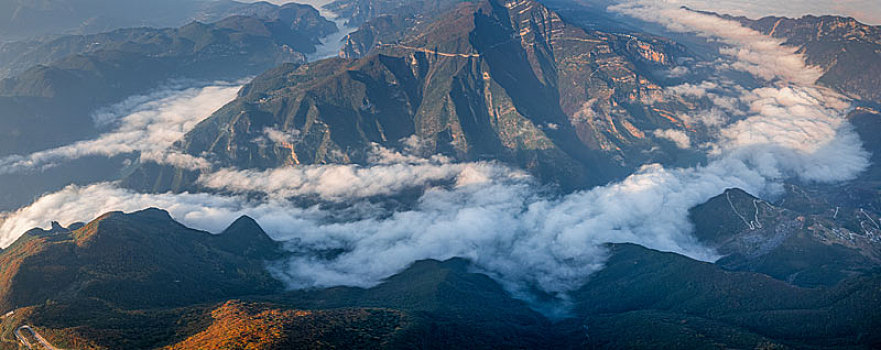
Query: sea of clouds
[509, 226]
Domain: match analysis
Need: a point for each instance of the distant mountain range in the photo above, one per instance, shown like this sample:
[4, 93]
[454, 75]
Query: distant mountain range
[297, 26]
[31, 19]
[54, 86]
[50, 103]
[576, 105]
[848, 51]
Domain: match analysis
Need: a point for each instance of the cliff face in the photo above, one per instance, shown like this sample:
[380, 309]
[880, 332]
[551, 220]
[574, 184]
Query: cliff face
[849, 52]
[506, 80]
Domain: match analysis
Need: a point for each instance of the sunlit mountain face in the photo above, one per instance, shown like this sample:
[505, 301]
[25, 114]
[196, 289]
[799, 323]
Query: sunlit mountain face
[213, 174]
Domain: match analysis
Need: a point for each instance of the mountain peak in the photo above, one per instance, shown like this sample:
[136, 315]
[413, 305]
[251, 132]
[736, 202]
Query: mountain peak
[153, 213]
[244, 224]
[141, 258]
[245, 237]
[724, 215]
[56, 226]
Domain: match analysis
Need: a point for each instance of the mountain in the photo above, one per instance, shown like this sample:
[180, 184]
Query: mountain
[491, 79]
[867, 123]
[51, 105]
[817, 245]
[849, 52]
[142, 280]
[360, 11]
[29, 19]
[297, 26]
[32, 18]
[386, 20]
[122, 298]
[144, 259]
[576, 100]
[645, 298]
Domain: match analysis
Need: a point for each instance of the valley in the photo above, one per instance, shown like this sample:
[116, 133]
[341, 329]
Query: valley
[481, 174]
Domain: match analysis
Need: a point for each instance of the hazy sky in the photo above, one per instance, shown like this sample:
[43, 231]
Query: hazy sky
[866, 11]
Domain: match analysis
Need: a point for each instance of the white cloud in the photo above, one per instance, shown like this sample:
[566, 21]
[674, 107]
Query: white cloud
[679, 137]
[502, 221]
[795, 117]
[280, 137]
[509, 227]
[755, 53]
[791, 115]
[331, 44]
[694, 90]
[343, 183]
[148, 125]
[678, 72]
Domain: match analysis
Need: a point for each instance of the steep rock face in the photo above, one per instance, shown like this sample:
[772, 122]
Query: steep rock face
[810, 244]
[602, 80]
[387, 21]
[849, 52]
[141, 259]
[492, 79]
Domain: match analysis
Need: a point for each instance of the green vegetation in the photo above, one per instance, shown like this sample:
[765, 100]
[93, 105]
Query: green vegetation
[808, 243]
[140, 260]
[643, 298]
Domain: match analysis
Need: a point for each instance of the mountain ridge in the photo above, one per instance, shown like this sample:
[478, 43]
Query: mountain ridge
[442, 303]
[459, 97]
[117, 257]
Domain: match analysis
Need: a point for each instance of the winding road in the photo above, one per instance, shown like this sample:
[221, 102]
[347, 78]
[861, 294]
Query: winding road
[27, 343]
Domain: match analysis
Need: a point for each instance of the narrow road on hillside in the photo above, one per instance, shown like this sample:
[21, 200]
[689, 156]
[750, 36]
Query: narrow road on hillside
[432, 52]
[23, 339]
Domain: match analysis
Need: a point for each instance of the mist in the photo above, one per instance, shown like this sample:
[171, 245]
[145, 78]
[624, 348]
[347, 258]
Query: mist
[144, 124]
[330, 46]
[508, 225]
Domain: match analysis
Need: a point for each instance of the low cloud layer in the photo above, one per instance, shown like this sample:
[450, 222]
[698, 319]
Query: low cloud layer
[148, 125]
[678, 137]
[331, 44]
[343, 183]
[511, 228]
[761, 55]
